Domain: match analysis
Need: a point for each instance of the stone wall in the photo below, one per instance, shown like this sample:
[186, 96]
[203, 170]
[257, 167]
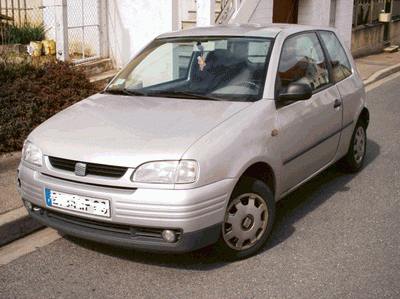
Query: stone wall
[395, 33]
[367, 39]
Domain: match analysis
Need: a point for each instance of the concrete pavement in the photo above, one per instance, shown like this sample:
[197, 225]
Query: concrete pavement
[15, 222]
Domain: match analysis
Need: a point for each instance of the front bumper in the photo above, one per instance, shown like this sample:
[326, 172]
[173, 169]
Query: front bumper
[143, 238]
[138, 216]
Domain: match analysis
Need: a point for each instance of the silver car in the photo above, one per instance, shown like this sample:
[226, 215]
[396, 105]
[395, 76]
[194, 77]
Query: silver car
[195, 140]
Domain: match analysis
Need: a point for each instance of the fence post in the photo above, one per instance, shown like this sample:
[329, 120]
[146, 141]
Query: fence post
[61, 29]
[103, 28]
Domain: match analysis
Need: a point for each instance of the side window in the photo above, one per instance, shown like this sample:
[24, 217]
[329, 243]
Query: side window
[340, 64]
[302, 61]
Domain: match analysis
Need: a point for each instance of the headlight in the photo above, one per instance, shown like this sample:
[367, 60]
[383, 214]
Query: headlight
[31, 153]
[167, 172]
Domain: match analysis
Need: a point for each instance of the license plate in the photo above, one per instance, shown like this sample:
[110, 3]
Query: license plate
[78, 203]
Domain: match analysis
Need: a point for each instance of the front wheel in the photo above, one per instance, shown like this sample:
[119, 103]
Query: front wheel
[248, 219]
[354, 159]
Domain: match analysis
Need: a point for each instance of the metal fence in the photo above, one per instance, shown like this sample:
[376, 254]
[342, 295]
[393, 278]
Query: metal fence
[83, 29]
[21, 12]
[18, 18]
[80, 41]
[396, 10]
[367, 11]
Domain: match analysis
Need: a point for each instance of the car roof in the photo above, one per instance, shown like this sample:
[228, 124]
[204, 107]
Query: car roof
[253, 30]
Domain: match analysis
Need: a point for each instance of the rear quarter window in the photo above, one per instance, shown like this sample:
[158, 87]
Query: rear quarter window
[341, 66]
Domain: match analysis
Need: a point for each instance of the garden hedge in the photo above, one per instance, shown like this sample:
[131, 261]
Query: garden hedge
[31, 93]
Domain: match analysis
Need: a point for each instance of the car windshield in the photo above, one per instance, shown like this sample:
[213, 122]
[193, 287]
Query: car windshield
[224, 68]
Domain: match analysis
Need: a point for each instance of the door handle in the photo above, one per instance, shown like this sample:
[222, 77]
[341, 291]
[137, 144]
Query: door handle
[338, 103]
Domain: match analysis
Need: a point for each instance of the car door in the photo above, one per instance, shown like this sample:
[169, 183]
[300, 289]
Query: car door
[309, 129]
[348, 83]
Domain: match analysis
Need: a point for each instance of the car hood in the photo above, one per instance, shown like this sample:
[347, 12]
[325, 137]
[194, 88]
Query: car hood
[129, 130]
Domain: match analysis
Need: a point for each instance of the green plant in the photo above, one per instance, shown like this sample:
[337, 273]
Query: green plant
[30, 94]
[27, 33]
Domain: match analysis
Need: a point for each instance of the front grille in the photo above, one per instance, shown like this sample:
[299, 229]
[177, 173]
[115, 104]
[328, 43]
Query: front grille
[91, 224]
[91, 168]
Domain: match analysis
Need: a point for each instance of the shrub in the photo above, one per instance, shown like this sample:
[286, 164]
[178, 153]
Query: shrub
[27, 33]
[30, 94]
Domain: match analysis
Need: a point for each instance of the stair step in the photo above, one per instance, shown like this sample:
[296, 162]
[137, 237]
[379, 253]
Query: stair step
[391, 49]
[104, 77]
[97, 66]
[187, 24]
[192, 15]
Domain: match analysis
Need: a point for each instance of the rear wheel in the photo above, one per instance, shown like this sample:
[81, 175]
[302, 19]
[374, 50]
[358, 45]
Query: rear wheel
[354, 159]
[248, 219]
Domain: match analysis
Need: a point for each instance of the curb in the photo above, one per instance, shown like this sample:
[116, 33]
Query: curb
[382, 74]
[18, 224]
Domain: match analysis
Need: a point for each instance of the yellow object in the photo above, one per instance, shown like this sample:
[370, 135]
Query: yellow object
[36, 48]
[49, 47]
[385, 17]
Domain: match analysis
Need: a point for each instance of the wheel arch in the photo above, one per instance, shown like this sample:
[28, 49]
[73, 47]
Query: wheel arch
[364, 116]
[263, 172]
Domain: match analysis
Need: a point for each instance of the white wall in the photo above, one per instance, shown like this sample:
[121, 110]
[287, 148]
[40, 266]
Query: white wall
[313, 12]
[263, 12]
[344, 18]
[134, 23]
[317, 12]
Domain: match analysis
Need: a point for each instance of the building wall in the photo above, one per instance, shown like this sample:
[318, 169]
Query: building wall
[134, 23]
[318, 12]
[343, 20]
[313, 12]
[367, 40]
[395, 32]
[263, 12]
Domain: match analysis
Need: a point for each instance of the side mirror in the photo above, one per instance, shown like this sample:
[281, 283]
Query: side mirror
[296, 92]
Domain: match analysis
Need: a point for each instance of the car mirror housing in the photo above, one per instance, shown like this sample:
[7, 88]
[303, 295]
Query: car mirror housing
[296, 92]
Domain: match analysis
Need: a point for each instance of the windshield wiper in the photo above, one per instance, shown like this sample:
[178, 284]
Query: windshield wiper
[126, 92]
[182, 94]
[165, 93]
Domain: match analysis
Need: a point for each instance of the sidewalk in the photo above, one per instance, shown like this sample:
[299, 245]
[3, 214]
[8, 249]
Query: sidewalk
[376, 67]
[14, 220]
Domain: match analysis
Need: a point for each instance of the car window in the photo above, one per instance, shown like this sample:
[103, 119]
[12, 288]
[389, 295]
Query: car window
[340, 64]
[206, 68]
[302, 61]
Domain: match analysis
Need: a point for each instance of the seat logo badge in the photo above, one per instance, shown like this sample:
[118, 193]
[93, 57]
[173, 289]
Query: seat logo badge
[80, 169]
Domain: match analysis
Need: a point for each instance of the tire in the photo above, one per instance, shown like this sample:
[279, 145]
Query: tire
[248, 219]
[354, 159]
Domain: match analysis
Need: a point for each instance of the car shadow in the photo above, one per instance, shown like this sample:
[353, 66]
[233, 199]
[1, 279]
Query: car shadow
[290, 209]
[311, 195]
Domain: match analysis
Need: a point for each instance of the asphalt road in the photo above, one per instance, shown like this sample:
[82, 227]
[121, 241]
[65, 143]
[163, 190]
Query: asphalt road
[335, 237]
